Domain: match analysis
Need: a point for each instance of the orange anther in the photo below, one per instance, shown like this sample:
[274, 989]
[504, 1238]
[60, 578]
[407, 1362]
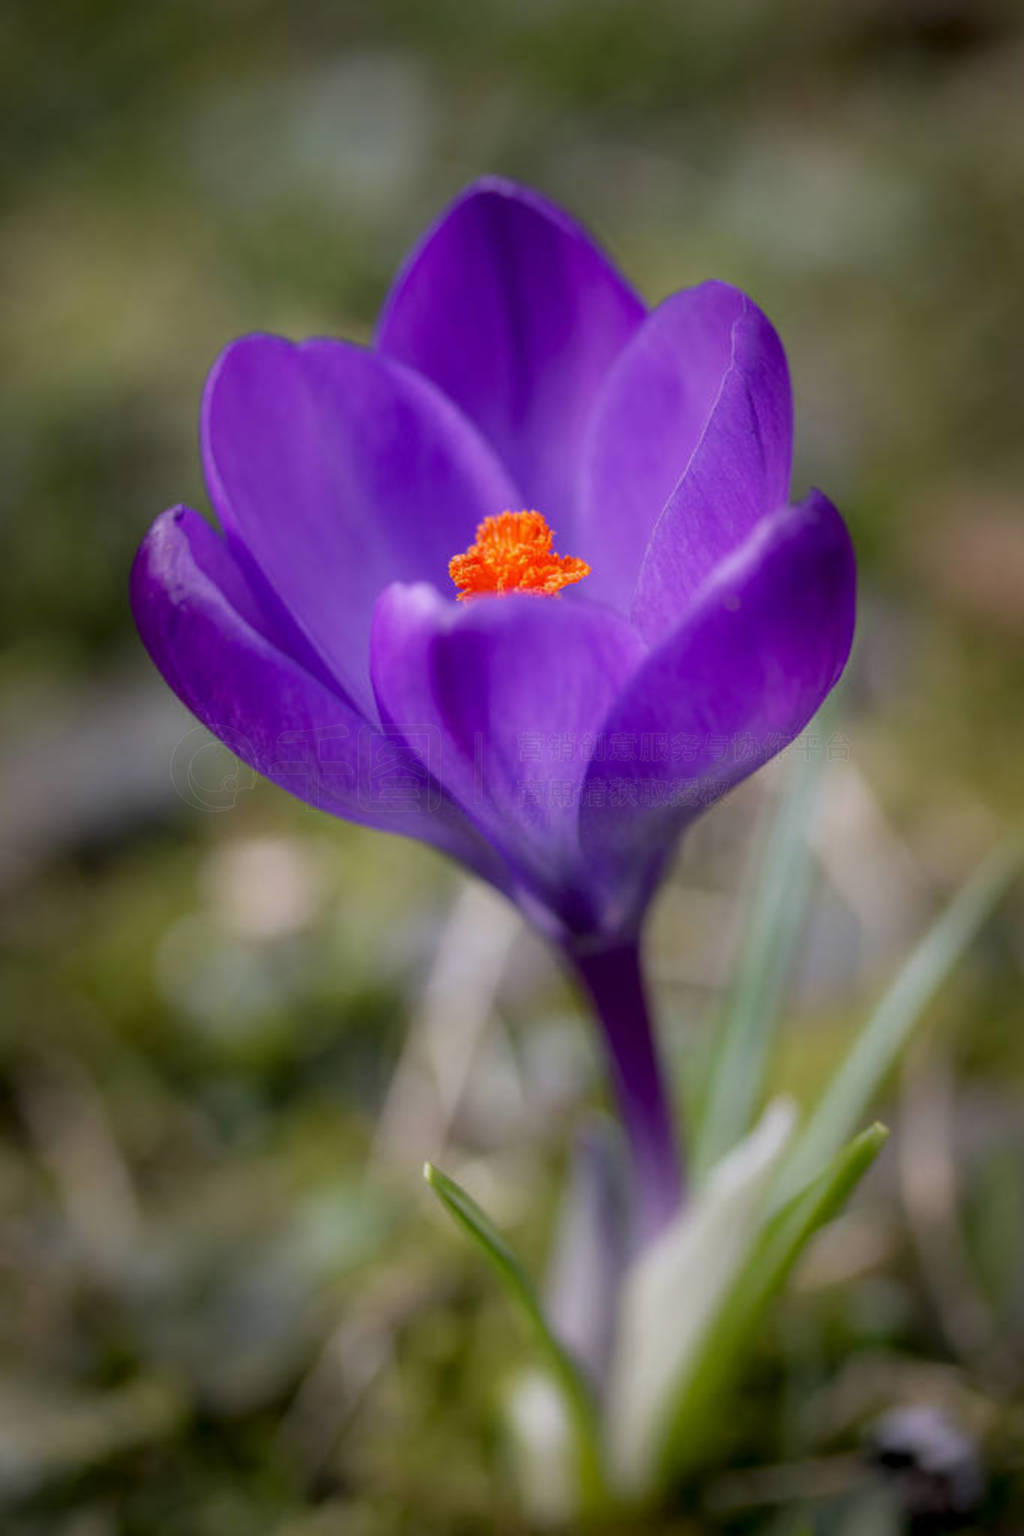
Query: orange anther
[513, 553]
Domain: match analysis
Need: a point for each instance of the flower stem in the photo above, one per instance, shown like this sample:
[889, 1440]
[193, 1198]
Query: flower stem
[612, 979]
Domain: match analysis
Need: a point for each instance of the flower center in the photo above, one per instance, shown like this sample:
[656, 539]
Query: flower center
[512, 553]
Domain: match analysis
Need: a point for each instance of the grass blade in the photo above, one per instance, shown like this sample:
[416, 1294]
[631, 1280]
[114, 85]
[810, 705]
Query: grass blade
[777, 1249]
[753, 1006]
[879, 1043]
[575, 1391]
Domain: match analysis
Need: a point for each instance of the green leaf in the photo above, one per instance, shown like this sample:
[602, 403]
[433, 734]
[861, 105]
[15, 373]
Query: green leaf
[741, 1311]
[672, 1291]
[750, 1018]
[578, 1398]
[884, 1035]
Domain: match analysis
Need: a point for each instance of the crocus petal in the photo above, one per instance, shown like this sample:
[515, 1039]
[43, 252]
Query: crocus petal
[509, 306]
[206, 630]
[705, 358]
[737, 473]
[339, 471]
[508, 695]
[736, 682]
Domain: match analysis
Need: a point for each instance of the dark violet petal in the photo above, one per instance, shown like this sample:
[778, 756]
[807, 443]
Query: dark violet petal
[510, 307]
[205, 629]
[649, 418]
[736, 682]
[338, 471]
[738, 470]
[502, 700]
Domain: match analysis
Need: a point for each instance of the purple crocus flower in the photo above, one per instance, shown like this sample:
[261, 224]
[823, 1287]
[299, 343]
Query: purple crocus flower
[556, 745]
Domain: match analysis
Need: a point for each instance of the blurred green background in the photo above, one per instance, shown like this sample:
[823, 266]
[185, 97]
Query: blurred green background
[231, 1030]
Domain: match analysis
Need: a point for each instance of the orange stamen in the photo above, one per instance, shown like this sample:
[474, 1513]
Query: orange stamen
[513, 553]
